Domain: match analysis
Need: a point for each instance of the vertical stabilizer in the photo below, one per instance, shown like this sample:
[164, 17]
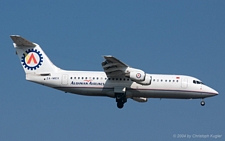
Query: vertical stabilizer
[32, 57]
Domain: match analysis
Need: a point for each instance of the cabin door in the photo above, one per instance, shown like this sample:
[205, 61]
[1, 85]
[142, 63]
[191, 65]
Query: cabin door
[64, 79]
[184, 83]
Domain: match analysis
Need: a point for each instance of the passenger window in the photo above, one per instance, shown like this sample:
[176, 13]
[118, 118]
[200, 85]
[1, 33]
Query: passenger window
[74, 77]
[82, 77]
[78, 77]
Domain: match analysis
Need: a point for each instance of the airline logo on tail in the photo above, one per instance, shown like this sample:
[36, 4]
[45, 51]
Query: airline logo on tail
[32, 59]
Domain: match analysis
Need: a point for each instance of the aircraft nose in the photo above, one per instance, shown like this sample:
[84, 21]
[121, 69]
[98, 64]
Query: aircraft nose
[214, 92]
[211, 91]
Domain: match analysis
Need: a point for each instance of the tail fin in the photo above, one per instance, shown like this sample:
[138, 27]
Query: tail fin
[32, 57]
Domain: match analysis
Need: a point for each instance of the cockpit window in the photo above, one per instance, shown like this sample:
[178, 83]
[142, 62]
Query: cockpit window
[197, 82]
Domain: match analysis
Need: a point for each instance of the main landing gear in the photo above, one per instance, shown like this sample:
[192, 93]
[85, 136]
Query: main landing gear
[202, 102]
[120, 99]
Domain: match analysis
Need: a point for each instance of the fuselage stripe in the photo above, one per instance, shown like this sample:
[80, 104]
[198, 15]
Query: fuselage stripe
[202, 92]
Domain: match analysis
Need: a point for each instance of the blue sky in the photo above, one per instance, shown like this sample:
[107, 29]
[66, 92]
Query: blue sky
[166, 37]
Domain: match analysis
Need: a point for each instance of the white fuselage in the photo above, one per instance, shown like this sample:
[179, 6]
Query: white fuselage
[93, 83]
[119, 80]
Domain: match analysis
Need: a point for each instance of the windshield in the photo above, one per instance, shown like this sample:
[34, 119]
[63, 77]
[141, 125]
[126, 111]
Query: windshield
[197, 82]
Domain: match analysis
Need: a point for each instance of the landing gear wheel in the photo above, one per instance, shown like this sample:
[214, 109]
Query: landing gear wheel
[120, 105]
[120, 99]
[203, 103]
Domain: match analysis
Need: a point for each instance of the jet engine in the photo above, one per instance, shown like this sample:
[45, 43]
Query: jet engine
[140, 77]
[137, 75]
[147, 80]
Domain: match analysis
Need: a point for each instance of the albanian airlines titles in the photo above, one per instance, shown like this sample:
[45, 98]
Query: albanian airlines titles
[86, 83]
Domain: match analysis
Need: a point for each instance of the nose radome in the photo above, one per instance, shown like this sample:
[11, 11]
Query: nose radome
[215, 92]
[211, 90]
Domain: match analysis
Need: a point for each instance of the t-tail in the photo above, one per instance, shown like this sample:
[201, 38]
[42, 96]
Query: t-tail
[32, 57]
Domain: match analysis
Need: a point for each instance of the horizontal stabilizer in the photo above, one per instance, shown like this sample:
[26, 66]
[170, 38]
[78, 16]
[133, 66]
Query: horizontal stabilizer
[21, 42]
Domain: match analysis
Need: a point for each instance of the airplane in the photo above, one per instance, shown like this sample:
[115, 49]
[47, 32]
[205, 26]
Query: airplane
[118, 80]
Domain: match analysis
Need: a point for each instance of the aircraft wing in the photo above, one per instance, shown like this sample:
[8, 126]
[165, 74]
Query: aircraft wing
[113, 66]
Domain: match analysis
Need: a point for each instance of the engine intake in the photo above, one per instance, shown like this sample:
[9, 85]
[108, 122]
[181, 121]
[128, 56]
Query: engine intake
[137, 75]
[141, 78]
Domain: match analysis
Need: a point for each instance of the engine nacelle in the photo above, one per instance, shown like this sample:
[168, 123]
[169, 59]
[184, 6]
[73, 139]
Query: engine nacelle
[147, 80]
[140, 99]
[137, 76]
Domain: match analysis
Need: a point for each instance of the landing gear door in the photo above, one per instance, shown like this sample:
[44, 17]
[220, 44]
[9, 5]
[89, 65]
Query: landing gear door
[64, 79]
[119, 89]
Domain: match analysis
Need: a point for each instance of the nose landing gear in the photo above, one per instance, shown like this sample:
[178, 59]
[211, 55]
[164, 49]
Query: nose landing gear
[202, 102]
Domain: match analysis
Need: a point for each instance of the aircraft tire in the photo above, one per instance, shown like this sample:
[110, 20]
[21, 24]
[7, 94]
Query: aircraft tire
[120, 105]
[203, 103]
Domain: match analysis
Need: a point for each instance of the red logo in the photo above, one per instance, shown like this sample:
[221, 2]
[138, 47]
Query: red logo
[138, 75]
[32, 58]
